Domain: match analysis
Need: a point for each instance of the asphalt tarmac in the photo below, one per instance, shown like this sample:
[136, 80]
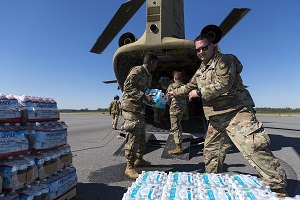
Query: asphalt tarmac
[101, 175]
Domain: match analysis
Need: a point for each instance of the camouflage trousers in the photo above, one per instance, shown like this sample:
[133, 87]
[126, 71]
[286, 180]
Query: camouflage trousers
[176, 127]
[135, 144]
[242, 129]
[115, 119]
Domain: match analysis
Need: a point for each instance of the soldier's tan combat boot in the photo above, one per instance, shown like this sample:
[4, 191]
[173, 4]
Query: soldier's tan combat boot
[280, 192]
[140, 162]
[130, 172]
[177, 150]
[120, 137]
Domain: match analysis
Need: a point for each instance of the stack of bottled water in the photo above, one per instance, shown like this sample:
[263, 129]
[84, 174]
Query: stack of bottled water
[13, 140]
[154, 185]
[9, 109]
[51, 187]
[39, 108]
[180, 185]
[46, 135]
[149, 185]
[17, 172]
[35, 158]
[158, 97]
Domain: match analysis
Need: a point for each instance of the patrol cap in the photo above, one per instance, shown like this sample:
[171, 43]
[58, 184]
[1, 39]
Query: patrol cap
[214, 32]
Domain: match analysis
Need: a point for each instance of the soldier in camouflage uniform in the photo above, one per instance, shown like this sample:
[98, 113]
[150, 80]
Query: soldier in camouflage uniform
[229, 107]
[115, 110]
[177, 109]
[133, 108]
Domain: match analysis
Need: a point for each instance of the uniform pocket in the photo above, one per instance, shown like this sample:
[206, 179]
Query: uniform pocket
[245, 122]
[261, 140]
[130, 126]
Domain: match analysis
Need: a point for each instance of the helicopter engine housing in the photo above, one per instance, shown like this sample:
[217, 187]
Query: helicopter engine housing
[126, 38]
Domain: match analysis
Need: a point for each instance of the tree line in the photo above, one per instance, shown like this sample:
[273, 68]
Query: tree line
[277, 110]
[83, 110]
[258, 110]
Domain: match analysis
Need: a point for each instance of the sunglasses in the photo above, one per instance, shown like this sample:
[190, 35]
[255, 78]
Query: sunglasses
[202, 48]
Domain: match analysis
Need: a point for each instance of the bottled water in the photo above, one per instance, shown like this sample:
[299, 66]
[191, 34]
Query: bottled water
[212, 180]
[64, 155]
[254, 193]
[50, 111]
[32, 170]
[9, 109]
[158, 97]
[27, 193]
[21, 141]
[152, 185]
[13, 102]
[246, 181]
[181, 178]
[45, 189]
[160, 100]
[7, 144]
[13, 140]
[179, 192]
[39, 160]
[152, 177]
[23, 165]
[215, 194]
[9, 172]
[63, 182]
[143, 191]
[49, 135]
[29, 103]
[54, 109]
[30, 133]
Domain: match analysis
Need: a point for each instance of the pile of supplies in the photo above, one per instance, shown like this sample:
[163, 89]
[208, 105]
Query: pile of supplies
[157, 185]
[35, 158]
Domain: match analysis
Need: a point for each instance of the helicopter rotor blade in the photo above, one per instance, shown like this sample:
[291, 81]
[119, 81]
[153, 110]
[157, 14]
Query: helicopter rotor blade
[110, 81]
[119, 20]
[232, 19]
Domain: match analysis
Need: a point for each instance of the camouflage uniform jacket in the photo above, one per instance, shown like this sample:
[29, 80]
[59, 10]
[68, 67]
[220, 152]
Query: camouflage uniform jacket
[221, 85]
[136, 83]
[177, 104]
[115, 107]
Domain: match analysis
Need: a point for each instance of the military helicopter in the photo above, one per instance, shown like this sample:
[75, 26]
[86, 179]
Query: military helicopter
[165, 36]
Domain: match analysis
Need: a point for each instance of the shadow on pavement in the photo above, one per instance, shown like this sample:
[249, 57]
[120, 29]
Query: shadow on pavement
[98, 191]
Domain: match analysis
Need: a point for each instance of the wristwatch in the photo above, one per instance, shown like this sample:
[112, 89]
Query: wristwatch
[198, 92]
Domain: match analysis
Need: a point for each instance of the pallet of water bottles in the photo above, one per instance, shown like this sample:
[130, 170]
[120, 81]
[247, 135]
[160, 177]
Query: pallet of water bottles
[34, 152]
[158, 185]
